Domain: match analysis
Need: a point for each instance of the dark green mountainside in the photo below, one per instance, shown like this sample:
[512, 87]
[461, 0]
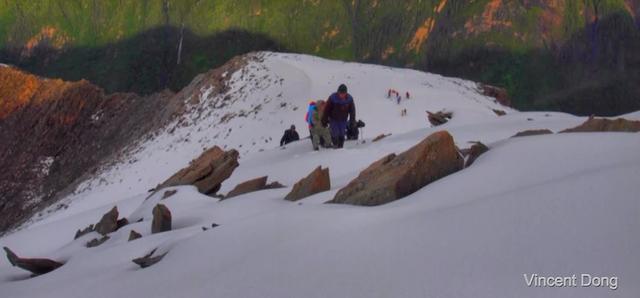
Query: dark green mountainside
[580, 56]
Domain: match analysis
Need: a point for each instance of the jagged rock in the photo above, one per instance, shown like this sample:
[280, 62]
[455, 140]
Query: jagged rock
[207, 171]
[439, 118]
[108, 223]
[133, 235]
[532, 132]
[396, 176]
[380, 137]
[499, 112]
[95, 241]
[317, 181]
[34, 265]
[500, 94]
[274, 185]
[148, 259]
[83, 232]
[248, 186]
[169, 193]
[161, 219]
[474, 152]
[121, 223]
[604, 125]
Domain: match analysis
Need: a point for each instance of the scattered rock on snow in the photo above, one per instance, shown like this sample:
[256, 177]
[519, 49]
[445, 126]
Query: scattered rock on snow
[133, 235]
[380, 137]
[474, 152]
[499, 112]
[96, 242]
[84, 231]
[248, 186]
[605, 125]
[207, 171]
[532, 132]
[169, 193]
[34, 265]
[396, 176]
[500, 94]
[108, 223]
[439, 118]
[317, 181]
[148, 259]
[161, 219]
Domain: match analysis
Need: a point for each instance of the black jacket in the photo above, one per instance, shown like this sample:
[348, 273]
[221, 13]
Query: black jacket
[290, 135]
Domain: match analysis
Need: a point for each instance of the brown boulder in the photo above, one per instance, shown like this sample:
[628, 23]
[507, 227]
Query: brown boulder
[439, 118]
[96, 242]
[35, 266]
[273, 185]
[248, 186]
[500, 94]
[396, 176]
[474, 152]
[84, 231]
[532, 132]
[133, 235]
[604, 125]
[317, 181]
[206, 172]
[161, 219]
[108, 223]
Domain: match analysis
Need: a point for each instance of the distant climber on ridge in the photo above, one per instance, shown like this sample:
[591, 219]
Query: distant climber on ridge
[339, 108]
[290, 135]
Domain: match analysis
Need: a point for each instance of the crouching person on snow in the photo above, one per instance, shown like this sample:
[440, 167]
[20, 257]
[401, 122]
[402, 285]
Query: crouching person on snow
[290, 135]
[339, 108]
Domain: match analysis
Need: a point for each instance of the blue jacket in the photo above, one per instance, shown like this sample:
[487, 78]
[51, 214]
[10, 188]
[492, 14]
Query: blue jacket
[338, 109]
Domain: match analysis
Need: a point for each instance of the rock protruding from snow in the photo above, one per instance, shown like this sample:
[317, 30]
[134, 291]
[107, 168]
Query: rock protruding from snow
[97, 242]
[380, 137]
[604, 125]
[161, 219]
[133, 235]
[396, 176]
[248, 186]
[252, 185]
[317, 181]
[207, 172]
[533, 132]
[439, 118]
[500, 94]
[148, 259]
[474, 152]
[36, 266]
[108, 223]
[84, 231]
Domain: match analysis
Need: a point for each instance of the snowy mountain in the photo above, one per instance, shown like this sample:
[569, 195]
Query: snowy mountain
[556, 204]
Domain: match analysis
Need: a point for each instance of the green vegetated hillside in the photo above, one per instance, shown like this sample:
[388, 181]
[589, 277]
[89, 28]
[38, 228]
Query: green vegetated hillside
[581, 56]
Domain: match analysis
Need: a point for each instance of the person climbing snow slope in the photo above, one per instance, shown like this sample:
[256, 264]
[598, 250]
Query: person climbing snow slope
[320, 135]
[339, 108]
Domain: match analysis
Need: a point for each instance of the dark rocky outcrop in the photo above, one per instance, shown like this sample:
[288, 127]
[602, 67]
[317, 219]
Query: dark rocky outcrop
[499, 112]
[207, 172]
[133, 235]
[396, 176]
[96, 242]
[606, 125]
[439, 118]
[474, 152]
[317, 181]
[161, 219]
[36, 266]
[148, 259]
[532, 132]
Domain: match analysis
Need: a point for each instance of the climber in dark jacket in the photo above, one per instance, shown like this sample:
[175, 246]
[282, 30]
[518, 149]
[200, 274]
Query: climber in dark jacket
[337, 111]
[290, 135]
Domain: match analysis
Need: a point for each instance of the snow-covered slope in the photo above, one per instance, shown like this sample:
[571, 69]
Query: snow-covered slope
[553, 205]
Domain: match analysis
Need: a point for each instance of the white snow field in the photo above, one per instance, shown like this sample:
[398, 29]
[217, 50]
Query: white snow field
[552, 205]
